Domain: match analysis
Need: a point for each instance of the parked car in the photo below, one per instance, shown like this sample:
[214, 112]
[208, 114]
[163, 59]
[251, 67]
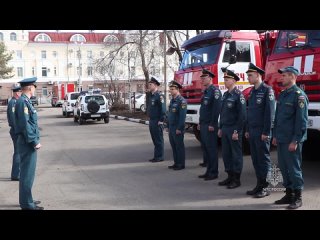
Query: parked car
[91, 106]
[69, 100]
[139, 102]
[34, 100]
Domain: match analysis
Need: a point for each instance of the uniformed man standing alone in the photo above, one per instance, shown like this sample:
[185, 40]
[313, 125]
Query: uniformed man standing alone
[28, 143]
[156, 111]
[260, 118]
[290, 131]
[208, 125]
[232, 117]
[15, 170]
[176, 122]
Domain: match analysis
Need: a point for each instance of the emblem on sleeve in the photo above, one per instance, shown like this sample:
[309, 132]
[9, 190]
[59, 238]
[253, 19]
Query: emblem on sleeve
[301, 103]
[271, 95]
[26, 110]
[183, 105]
[242, 99]
[161, 99]
[216, 94]
[13, 109]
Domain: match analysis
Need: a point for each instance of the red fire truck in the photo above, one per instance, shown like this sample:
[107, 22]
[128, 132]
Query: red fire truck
[269, 50]
[59, 92]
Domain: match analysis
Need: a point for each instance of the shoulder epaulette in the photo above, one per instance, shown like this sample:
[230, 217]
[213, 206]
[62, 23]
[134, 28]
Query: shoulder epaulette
[237, 91]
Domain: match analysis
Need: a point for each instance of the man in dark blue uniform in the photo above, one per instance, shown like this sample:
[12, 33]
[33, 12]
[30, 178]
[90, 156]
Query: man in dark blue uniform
[290, 131]
[28, 143]
[176, 122]
[15, 170]
[208, 125]
[232, 118]
[260, 118]
[156, 110]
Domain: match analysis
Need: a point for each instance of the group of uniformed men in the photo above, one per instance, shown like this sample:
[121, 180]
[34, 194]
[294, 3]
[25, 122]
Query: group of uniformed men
[261, 121]
[24, 131]
[288, 122]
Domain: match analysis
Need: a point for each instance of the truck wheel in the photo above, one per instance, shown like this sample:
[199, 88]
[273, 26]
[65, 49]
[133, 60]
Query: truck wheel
[196, 133]
[142, 108]
[106, 120]
[63, 113]
[67, 114]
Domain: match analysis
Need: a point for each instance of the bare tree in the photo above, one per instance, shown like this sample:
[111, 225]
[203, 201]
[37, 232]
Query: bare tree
[143, 42]
[106, 73]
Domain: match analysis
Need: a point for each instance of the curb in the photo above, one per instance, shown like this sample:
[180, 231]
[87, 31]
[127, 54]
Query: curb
[130, 119]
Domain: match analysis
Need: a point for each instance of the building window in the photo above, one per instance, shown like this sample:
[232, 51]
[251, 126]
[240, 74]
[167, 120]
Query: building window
[140, 88]
[42, 37]
[101, 53]
[132, 72]
[132, 54]
[55, 71]
[1, 36]
[111, 39]
[89, 54]
[153, 70]
[43, 54]
[77, 38]
[44, 91]
[44, 72]
[33, 71]
[89, 71]
[54, 54]
[20, 71]
[80, 71]
[13, 36]
[19, 54]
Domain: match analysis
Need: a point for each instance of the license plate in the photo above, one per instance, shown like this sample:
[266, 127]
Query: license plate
[188, 118]
[310, 122]
[95, 115]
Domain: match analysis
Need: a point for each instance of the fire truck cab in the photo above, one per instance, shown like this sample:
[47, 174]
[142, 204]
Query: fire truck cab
[269, 50]
[213, 51]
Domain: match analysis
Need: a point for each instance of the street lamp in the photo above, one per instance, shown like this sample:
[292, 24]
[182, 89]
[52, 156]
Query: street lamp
[165, 68]
[79, 67]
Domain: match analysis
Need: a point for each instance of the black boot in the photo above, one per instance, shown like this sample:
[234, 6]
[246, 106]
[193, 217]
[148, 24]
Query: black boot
[227, 180]
[262, 191]
[235, 181]
[287, 198]
[297, 200]
[255, 190]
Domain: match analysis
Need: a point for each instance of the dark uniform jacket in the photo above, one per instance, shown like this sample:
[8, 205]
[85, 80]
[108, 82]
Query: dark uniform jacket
[177, 113]
[233, 110]
[291, 116]
[11, 115]
[261, 110]
[156, 107]
[27, 121]
[210, 106]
